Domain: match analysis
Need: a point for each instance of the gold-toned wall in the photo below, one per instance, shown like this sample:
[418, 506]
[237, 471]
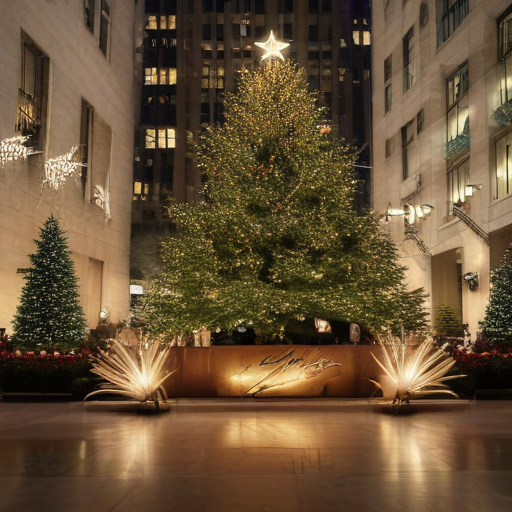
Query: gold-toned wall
[273, 371]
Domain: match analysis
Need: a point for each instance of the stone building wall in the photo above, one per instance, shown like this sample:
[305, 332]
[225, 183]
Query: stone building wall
[456, 246]
[79, 72]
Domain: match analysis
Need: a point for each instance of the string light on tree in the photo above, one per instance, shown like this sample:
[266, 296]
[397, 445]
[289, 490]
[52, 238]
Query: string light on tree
[277, 239]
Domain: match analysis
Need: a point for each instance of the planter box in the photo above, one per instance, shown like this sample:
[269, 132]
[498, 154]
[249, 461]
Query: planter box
[273, 371]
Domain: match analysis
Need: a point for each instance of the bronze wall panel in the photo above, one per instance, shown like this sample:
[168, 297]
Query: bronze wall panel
[273, 371]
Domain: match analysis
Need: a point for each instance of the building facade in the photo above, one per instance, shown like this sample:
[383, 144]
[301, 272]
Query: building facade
[67, 105]
[194, 50]
[442, 131]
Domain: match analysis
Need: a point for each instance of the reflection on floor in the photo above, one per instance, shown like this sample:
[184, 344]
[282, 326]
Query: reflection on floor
[249, 455]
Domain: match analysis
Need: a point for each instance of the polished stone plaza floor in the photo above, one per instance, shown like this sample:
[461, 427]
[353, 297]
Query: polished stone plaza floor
[238, 456]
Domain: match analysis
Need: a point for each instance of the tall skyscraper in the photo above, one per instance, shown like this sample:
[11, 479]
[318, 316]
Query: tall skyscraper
[194, 50]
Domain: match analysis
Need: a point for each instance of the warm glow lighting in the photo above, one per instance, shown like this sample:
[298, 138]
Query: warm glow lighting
[14, 149]
[414, 373]
[137, 373]
[58, 169]
[272, 47]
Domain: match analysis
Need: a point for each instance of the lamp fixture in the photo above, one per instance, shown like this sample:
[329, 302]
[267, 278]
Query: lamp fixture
[472, 279]
[470, 189]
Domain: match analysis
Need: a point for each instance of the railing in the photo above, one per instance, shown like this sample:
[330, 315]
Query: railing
[457, 144]
[503, 114]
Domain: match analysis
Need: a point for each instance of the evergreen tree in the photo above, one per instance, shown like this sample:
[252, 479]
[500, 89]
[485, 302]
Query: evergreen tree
[276, 237]
[497, 324]
[448, 323]
[49, 315]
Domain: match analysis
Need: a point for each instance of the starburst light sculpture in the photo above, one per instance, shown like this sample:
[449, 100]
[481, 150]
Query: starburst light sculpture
[272, 47]
[414, 374]
[135, 372]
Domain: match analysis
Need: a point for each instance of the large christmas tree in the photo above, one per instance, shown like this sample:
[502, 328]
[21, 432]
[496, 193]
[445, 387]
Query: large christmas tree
[497, 324]
[276, 237]
[49, 315]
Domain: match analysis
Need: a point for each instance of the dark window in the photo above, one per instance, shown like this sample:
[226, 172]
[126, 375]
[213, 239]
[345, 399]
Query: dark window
[420, 120]
[408, 153]
[220, 32]
[450, 14]
[388, 74]
[287, 30]
[152, 6]
[89, 14]
[207, 32]
[33, 94]
[314, 82]
[259, 6]
[326, 5]
[285, 6]
[207, 6]
[313, 32]
[220, 5]
[409, 60]
[423, 15]
[86, 124]
[313, 5]
[105, 26]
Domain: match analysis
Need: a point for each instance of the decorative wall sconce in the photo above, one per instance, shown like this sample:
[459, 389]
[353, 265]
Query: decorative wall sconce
[470, 189]
[103, 316]
[410, 212]
[472, 279]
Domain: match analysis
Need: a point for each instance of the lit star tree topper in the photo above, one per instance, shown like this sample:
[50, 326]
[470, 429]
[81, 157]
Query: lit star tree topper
[272, 47]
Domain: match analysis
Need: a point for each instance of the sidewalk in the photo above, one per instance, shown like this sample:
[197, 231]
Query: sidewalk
[256, 455]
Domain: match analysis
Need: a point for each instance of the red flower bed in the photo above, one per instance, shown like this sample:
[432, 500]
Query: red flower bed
[48, 373]
[486, 370]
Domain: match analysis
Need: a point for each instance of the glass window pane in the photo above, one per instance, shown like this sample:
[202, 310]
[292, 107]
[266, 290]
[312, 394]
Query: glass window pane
[150, 138]
[161, 139]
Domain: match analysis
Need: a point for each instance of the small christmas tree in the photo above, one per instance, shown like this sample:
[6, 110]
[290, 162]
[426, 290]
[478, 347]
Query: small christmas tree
[497, 324]
[49, 315]
[276, 238]
[447, 322]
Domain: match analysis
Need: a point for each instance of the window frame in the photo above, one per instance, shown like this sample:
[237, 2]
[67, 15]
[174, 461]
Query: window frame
[409, 59]
[86, 138]
[388, 83]
[505, 55]
[32, 108]
[105, 27]
[408, 143]
[450, 14]
[462, 73]
[497, 193]
[460, 186]
[89, 14]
